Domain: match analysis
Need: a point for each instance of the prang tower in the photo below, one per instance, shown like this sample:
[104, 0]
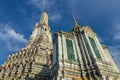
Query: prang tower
[31, 62]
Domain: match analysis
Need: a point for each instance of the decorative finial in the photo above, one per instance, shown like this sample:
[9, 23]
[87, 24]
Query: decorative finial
[74, 18]
[75, 22]
[76, 26]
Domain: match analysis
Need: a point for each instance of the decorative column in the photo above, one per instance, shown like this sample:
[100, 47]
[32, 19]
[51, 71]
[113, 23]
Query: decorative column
[59, 47]
[81, 49]
[87, 56]
[63, 54]
[74, 48]
[85, 41]
[83, 75]
[64, 47]
[78, 50]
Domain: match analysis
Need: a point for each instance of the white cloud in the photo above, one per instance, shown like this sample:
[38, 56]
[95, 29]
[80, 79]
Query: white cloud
[115, 52]
[117, 36]
[42, 4]
[116, 30]
[100, 39]
[10, 37]
[16, 36]
[73, 5]
[55, 17]
[49, 6]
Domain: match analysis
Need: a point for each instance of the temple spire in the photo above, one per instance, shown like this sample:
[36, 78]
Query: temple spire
[76, 26]
[44, 19]
[75, 22]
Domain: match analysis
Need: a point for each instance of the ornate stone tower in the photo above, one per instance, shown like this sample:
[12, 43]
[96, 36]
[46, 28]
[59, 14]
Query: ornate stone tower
[78, 55]
[31, 62]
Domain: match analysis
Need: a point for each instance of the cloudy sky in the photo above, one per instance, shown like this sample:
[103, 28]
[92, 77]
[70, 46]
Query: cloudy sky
[18, 17]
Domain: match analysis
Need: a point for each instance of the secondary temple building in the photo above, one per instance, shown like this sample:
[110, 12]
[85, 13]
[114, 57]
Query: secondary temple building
[74, 55]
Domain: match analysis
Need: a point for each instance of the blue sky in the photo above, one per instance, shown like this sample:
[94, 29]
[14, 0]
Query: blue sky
[18, 17]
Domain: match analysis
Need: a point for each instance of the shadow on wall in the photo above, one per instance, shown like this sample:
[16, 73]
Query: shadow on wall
[44, 74]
